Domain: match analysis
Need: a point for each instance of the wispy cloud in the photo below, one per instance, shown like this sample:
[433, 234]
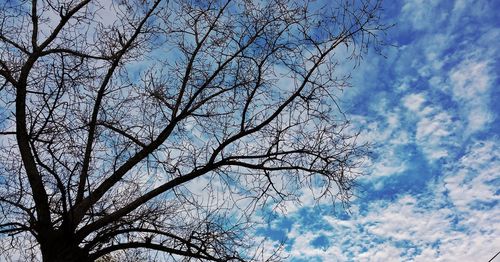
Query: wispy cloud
[470, 83]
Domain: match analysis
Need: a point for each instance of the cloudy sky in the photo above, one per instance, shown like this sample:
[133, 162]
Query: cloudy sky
[431, 111]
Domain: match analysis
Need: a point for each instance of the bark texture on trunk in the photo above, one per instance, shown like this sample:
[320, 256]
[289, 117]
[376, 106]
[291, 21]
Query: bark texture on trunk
[65, 254]
[62, 249]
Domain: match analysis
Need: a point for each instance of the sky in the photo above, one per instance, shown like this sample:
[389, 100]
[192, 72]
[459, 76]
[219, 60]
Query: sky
[429, 108]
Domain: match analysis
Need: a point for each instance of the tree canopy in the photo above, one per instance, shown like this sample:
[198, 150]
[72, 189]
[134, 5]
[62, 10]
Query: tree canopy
[164, 125]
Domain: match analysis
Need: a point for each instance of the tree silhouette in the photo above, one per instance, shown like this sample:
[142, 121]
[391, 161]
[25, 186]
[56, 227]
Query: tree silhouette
[163, 125]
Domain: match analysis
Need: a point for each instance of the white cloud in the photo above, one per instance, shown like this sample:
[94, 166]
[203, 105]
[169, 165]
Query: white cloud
[470, 84]
[435, 131]
[469, 184]
[386, 134]
[470, 78]
[419, 13]
[414, 101]
[302, 247]
[385, 253]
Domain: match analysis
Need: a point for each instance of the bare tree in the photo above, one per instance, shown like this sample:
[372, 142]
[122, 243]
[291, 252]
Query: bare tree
[163, 125]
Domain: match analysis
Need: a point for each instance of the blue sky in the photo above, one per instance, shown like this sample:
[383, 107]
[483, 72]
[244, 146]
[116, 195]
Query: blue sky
[430, 110]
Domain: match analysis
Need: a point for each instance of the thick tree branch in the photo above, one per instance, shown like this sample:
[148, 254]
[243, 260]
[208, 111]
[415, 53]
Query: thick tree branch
[99, 98]
[159, 247]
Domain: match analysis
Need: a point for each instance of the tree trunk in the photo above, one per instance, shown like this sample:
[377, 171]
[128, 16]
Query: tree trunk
[62, 249]
[65, 254]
